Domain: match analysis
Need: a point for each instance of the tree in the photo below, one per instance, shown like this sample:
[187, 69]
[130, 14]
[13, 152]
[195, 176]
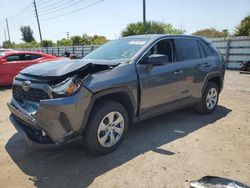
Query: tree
[47, 43]
[76, 40]
[211, 33]
[97, 40]
[8, 44]
[27, 33]
[152, 27]
[226, 32]
[64, 42]
[244, 28]
[86, 39]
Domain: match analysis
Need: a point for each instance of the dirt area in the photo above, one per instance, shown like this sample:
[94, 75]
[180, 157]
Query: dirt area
[161, 152]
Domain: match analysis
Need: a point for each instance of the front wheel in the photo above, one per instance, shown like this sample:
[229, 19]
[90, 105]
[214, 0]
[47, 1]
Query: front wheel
[107, 127]
[209, 99]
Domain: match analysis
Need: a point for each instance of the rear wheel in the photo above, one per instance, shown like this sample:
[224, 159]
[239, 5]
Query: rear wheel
[209, 99]
[107, 127]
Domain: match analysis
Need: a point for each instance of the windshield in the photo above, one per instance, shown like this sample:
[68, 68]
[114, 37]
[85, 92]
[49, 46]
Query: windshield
[119, 50]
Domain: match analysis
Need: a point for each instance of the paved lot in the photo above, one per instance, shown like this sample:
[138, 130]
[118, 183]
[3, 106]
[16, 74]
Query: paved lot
[162, 152]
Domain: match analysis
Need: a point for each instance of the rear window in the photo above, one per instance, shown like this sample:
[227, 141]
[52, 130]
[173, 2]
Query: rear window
[187, 49]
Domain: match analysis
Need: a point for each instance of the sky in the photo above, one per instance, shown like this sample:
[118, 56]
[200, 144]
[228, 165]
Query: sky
[110, 17]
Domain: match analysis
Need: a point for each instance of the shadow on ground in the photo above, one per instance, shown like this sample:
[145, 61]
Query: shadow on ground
[71, 166]
[3, 88]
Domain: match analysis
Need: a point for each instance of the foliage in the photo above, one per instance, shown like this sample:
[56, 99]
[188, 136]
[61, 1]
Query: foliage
[8, 44]
[244, 28]
[27, 33]
[97, 40]
[76, 40]
[152, 27]
[47, 43]
[32, 44]
[212, 33]
[85, 39]
[64, 42]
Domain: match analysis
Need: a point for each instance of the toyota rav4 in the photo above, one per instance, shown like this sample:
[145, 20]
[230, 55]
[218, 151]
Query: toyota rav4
[122, 82]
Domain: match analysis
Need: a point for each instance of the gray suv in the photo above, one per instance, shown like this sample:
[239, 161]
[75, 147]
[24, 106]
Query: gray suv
[122, 82]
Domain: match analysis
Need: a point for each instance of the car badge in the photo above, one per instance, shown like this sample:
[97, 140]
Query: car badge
[26, 85]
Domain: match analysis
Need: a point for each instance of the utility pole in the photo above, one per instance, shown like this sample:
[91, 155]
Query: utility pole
[144, 15]
[38, 23]
[5, 34]
[7, 25]
[67, 35]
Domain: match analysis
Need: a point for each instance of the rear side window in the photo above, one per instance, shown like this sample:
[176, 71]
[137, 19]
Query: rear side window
[187, 49]
[207, 49]
[27, 57]
[202, 52]
[35, 56]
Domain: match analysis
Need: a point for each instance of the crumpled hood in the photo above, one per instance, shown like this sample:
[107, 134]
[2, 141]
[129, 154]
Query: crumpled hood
[62, 67]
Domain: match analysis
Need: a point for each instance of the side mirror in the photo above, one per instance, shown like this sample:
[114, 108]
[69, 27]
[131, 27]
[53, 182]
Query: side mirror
[157, 59]
[3, 61]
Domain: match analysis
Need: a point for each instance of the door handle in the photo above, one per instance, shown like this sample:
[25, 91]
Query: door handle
[178, 72]
[206, 65]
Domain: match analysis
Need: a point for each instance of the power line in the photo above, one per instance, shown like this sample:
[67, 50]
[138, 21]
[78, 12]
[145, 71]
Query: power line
[28, 6]
[43, 8]
[18, 28]
[74, 11]
[23, 21]
[26, 15]
[53, 10]
[42, 2]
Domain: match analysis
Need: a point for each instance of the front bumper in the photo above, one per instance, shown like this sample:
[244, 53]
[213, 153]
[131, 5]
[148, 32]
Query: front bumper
[55, 120]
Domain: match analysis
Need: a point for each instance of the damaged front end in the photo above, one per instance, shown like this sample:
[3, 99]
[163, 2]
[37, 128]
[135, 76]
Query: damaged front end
[52, 109]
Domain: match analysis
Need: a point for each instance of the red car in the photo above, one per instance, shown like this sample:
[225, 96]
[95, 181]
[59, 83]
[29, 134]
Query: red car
[11, 62]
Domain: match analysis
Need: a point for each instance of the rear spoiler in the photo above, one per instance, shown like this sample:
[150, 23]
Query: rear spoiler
[208, 41]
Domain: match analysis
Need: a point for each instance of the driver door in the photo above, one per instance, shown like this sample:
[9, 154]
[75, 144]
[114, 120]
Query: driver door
[161, 86]
[15, 63]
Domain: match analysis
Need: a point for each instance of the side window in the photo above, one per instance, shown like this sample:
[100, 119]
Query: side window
[13, 58]
[35, 56]
[207, 50]
[201, 50]
[187, 49]
[164, 47]
[27, 57]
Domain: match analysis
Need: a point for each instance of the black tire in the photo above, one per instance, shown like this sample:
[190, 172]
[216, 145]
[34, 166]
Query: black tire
[100, 111]
[202, 106]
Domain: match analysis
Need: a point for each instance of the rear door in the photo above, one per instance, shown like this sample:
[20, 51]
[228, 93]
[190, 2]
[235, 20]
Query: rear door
[192, 59]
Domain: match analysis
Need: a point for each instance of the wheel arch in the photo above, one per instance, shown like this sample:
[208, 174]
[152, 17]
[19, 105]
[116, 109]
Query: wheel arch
[121, 95]
[215, 77]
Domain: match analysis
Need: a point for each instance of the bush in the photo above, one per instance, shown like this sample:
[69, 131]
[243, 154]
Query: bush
[152, 27]
[47, 43]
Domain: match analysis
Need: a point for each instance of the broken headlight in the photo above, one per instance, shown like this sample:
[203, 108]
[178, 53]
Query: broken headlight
[67, 87]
